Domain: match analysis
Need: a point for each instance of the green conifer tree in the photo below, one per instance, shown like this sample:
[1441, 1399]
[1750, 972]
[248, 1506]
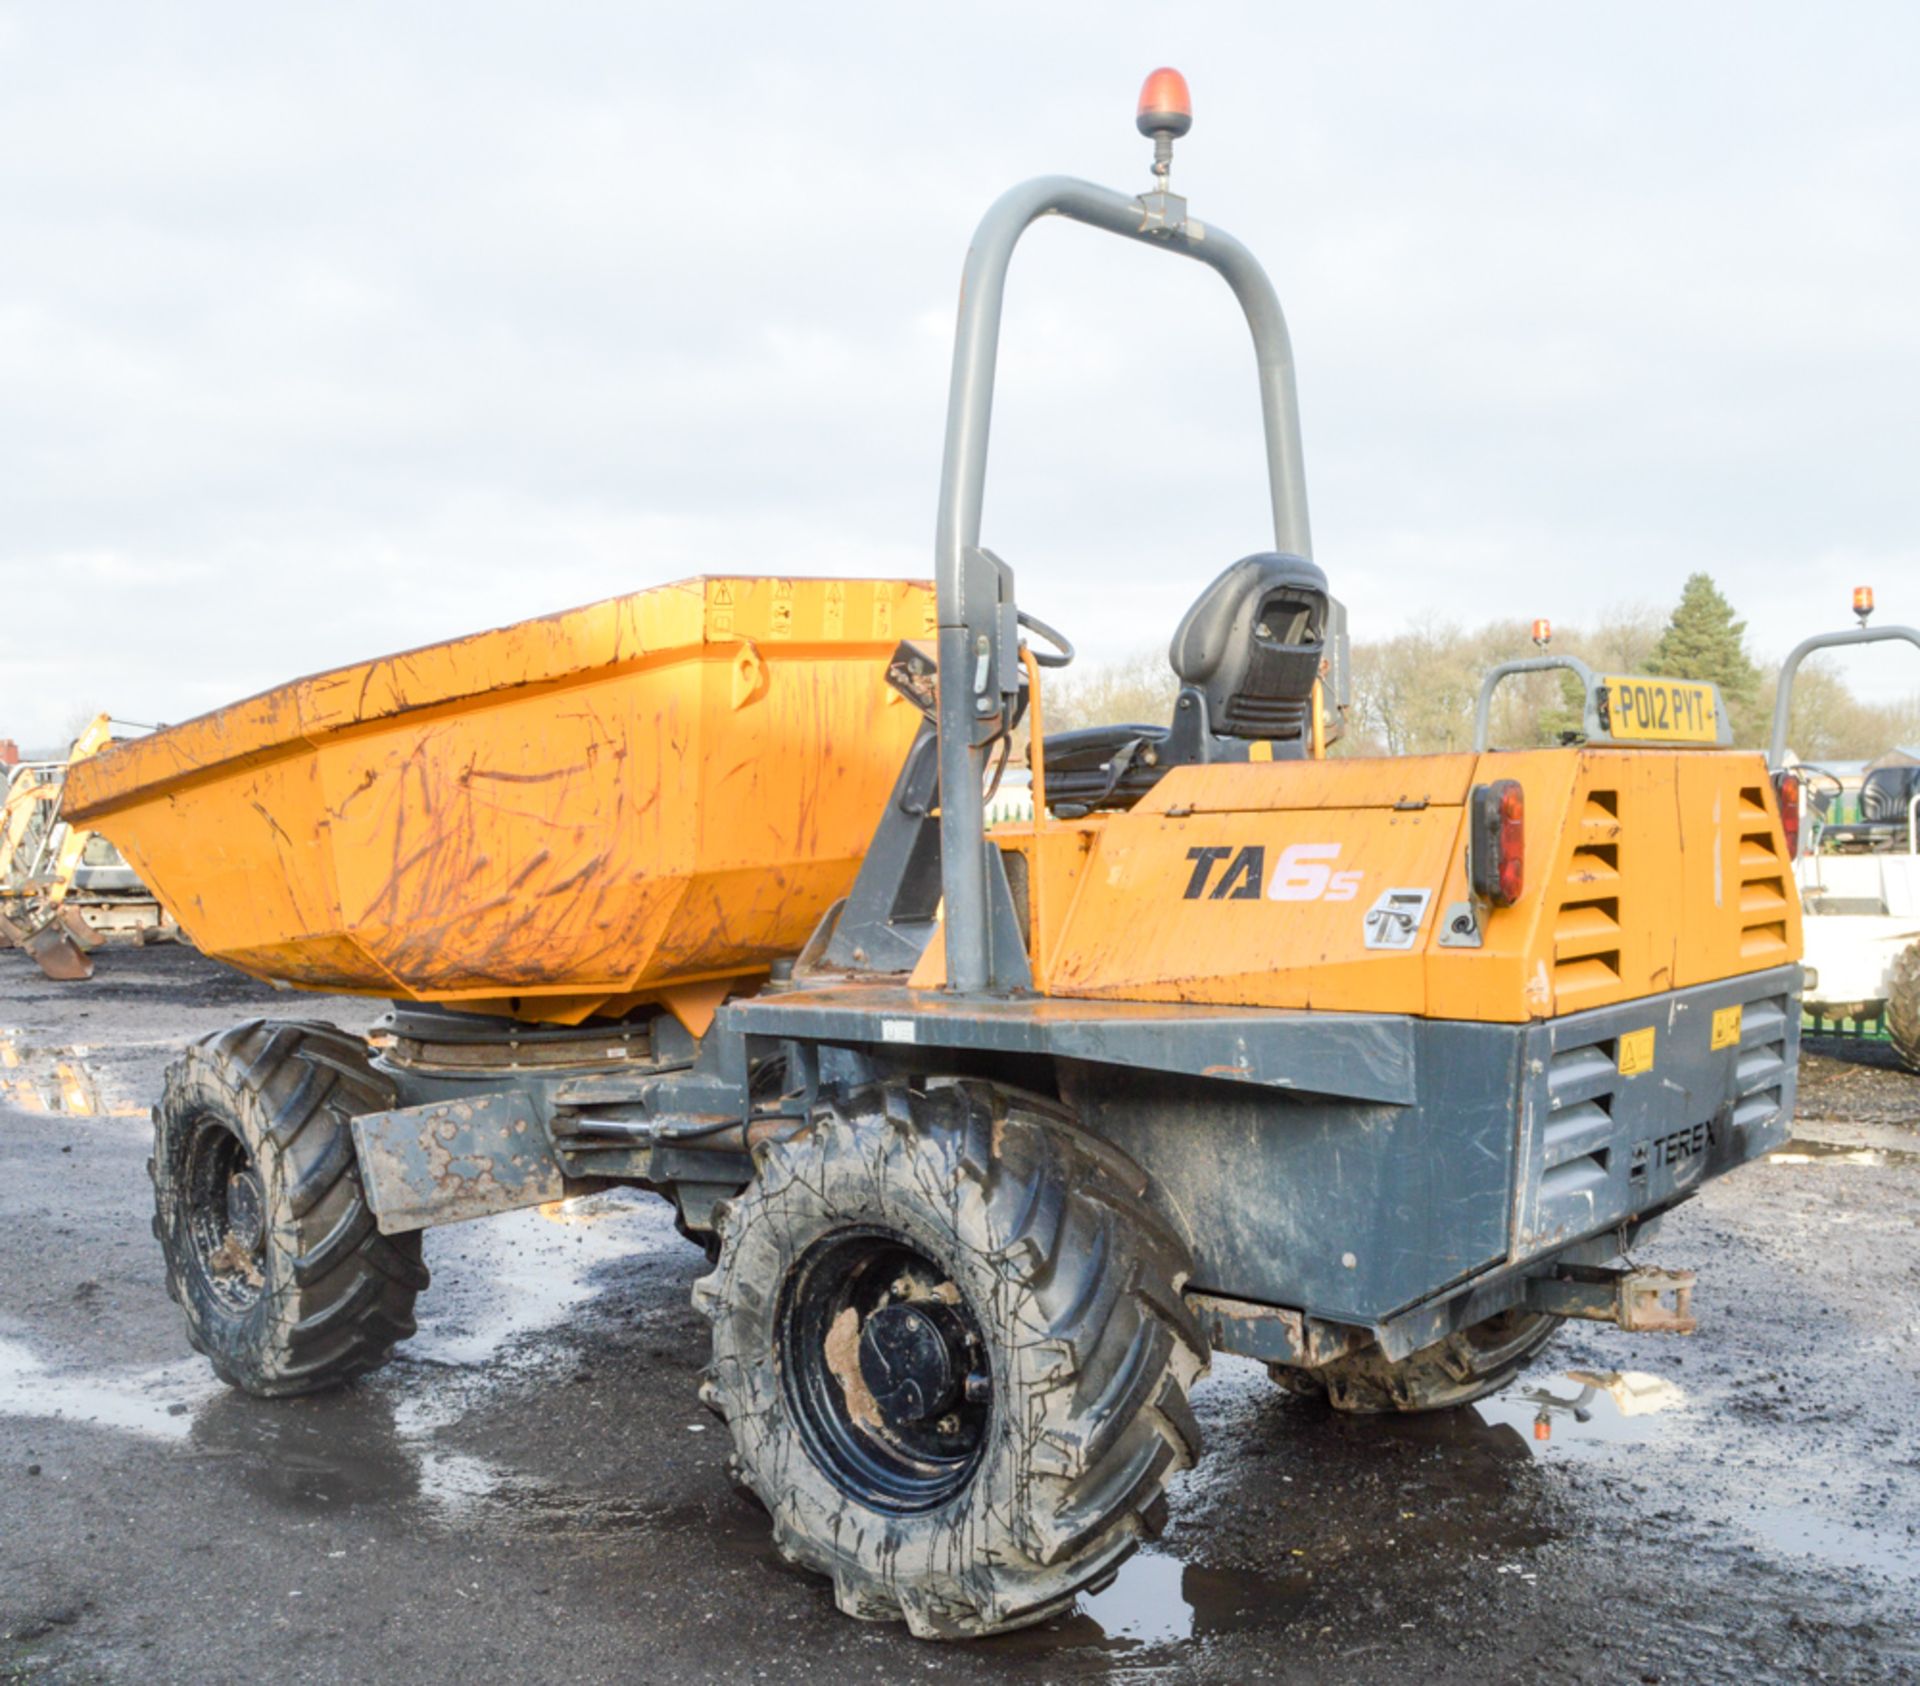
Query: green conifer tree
[1703, 640]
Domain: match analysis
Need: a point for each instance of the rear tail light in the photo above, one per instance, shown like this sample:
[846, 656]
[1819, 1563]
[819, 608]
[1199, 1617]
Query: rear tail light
[1786, 786]
[1497, 845]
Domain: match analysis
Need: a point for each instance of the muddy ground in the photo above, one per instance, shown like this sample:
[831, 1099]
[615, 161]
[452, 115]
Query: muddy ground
[531, 1490]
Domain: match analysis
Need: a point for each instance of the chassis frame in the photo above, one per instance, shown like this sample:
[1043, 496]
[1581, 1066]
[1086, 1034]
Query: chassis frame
[1339, 1178]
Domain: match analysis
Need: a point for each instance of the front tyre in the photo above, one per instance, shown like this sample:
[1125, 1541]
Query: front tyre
[949, 1343]
[272, 1251]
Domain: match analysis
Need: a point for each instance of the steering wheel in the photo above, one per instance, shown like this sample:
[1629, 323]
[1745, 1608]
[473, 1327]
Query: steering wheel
[1061, 653]
[1828, 784]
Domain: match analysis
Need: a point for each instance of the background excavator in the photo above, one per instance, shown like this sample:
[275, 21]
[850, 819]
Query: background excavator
[65, 890]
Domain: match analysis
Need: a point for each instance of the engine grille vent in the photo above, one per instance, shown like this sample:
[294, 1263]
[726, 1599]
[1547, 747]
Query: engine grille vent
[1586, 924]
[1576, 1142]
[1763, 885]
[1761, 1074]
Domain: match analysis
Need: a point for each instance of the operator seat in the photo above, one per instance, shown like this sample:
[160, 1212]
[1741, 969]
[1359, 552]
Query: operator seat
[1247, 655]
[1886, 793]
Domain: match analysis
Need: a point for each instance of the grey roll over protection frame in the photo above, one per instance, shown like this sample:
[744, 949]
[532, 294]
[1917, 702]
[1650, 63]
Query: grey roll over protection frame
[1783, 696]
[1589, 685]
[978, 658]
[1596, 718]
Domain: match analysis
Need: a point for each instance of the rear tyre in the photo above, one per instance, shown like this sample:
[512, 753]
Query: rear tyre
[949, 1343]
[272, 1251]
[1903, 1006]
[1464, 1367]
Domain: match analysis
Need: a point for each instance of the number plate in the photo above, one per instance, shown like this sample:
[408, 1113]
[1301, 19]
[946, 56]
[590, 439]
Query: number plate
[1662, 710]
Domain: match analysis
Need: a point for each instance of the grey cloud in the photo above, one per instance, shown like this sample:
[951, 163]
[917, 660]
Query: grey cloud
[325, 332]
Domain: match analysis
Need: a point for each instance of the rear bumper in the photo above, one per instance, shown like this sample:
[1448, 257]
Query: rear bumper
[1625, 1110]
[1610, 1128]
[1315, 1221]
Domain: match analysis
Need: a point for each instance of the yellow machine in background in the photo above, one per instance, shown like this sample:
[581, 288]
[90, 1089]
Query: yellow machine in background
[64, 890]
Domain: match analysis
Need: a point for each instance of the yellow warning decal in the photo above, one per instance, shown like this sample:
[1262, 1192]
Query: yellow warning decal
[780, 611]
[1636, 1052]
[1726, 1028]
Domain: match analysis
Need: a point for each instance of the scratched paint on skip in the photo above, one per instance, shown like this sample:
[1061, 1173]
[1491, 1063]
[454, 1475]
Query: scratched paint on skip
[532, 813]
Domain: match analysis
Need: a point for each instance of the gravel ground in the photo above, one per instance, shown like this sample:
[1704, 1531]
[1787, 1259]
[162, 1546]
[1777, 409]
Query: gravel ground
[532, 1491]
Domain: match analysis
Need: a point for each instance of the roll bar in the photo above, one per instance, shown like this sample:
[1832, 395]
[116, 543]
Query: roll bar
[978, 636]
[1607, 698]
[1483, 704]
[1783, 697]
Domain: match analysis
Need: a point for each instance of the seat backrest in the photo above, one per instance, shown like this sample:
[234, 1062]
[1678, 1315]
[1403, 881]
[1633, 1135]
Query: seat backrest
[1253, 643]
[1886, 792]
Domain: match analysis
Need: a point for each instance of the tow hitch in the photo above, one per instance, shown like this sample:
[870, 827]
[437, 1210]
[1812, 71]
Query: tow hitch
[1636, 1299]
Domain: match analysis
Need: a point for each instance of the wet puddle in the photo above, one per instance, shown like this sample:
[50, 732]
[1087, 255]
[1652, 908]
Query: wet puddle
[342, 1448]
[1158, 1600]
[1155, 1602]
[1766, 1498]
[156, 1403]
[66, 1081]
[1808, 1151]
[516, 1273]
[1583, 1410]
[508, 1277]
[336, 1451]
[1794, 1530]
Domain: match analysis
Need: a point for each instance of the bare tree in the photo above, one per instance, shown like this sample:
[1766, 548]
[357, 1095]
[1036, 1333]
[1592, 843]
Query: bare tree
[1414, 693]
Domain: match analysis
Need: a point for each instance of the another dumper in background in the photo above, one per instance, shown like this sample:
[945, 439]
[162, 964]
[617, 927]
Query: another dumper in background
[1858, 871]
[65, 890]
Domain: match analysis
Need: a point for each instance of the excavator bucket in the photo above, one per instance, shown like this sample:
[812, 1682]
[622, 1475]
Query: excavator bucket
[58, 951]
[56, 939]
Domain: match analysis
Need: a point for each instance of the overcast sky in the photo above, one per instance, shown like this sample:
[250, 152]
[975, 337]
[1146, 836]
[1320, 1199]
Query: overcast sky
[329, 330]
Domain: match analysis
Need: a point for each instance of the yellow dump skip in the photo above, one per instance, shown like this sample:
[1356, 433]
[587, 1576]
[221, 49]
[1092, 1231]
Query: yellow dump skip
[646, 799]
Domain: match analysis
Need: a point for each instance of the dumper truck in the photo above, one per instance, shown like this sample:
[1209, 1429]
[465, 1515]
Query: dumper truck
[1374, 1070]
[1858, 876]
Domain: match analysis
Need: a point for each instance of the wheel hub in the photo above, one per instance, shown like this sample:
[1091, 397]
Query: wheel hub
[886, 1370]
[913, 1358]
[226, 1214]
[246, 1210]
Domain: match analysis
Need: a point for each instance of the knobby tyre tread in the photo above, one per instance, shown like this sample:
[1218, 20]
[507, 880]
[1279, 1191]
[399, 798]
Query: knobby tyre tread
[333, 1294]
[1077, 1284]
[1903, 1006]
